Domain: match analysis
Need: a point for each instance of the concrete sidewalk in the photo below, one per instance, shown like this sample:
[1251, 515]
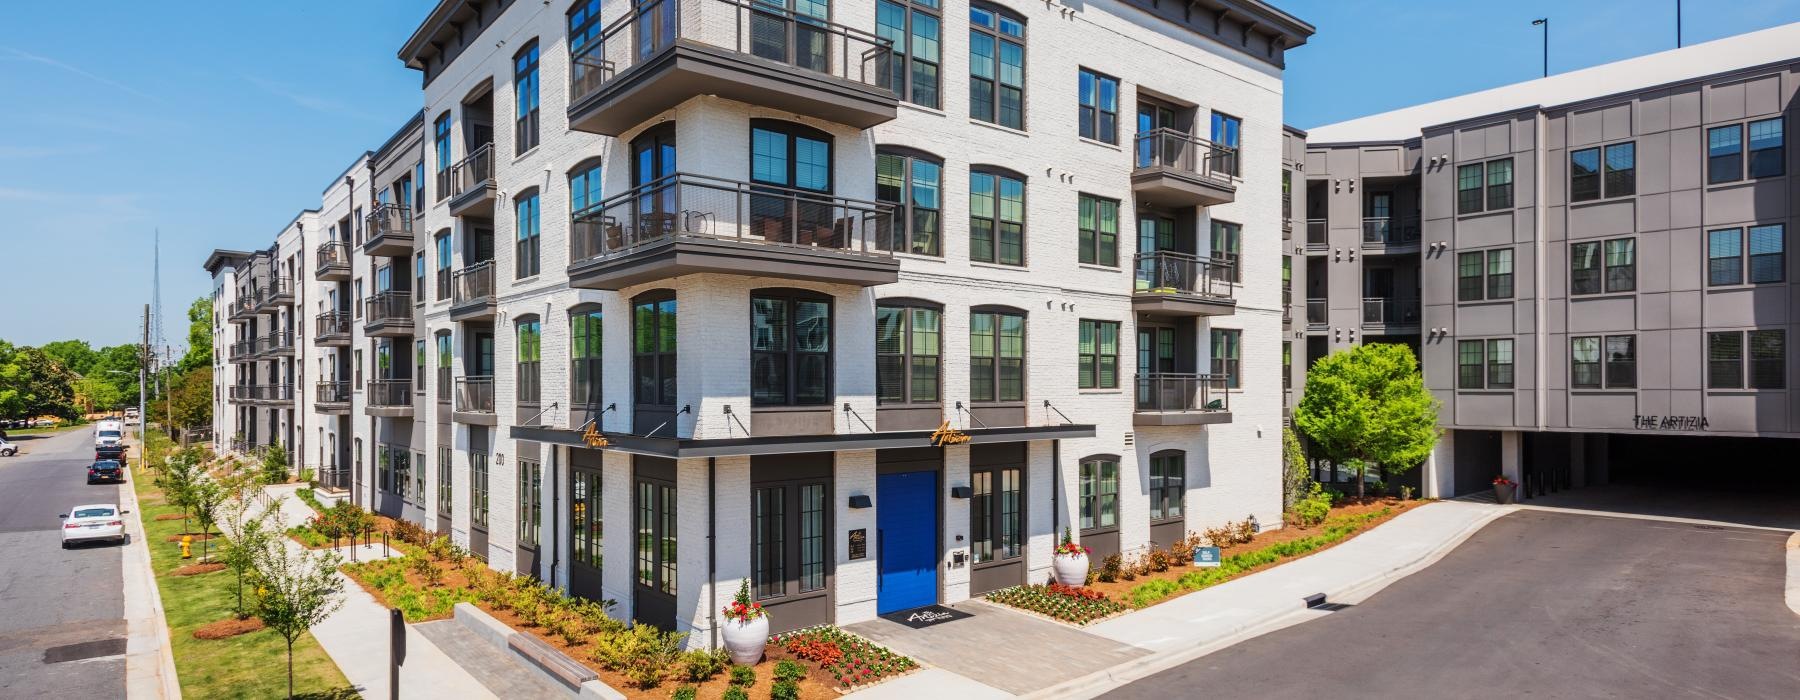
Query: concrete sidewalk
[1199, 623]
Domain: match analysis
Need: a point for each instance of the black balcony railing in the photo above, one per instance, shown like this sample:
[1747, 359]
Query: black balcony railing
[333, 255]
[332, 392]
[331, 324]
[1166, 272]
[243, 350]
[473, 283]
[1181, 392]
[1390, 311]
[390, 221]
[334, 478]
[262, 392]
[1316, 313]
[275, 290]
[388, 307]
[701, 207]
[1317, 236]
[475, 394]
[1391, 231]
[749, 27]
[1177, 150]
[474, 171]
[278, 341]
[389, 393]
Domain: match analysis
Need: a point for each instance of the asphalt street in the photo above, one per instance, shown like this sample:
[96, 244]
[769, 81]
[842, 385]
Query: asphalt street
[1539, 604]
[61, 610]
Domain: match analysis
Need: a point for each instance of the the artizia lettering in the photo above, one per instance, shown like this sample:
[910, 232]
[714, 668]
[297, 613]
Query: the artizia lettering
[1670, 423]
[593, 438]
[928, 616]
[946, 435]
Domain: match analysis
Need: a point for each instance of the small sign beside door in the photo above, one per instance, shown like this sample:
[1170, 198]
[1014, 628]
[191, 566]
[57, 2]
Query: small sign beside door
[922, 617]
[1206, 556]
[859, 543]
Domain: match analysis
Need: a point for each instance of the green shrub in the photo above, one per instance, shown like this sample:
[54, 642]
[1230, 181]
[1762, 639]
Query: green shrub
[701, 664]
[1151, 591]
[743, 676]
[784, 690]
[1313, 508]
[789, 670]
[735, 693]
[686, 692]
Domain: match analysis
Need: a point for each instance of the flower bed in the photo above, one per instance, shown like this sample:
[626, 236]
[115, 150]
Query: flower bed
[1334, 530]
[849, 660]
[1069, 604]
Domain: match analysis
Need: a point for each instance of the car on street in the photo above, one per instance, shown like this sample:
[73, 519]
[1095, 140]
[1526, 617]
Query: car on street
[8, 449]
[99, 521]
[106, 470]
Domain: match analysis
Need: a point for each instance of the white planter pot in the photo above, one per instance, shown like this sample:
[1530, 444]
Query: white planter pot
[745, 640]
[1071, 569]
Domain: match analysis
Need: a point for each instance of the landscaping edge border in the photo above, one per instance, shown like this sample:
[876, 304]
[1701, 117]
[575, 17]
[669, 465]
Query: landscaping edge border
[499, 634]
[144, 626]
[1098, 682]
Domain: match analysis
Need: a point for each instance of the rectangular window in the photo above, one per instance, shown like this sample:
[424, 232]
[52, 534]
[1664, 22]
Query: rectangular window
[478, 489]
[1768, 157]
[440, 142]
[443, 266]
[444, 354]
[1168, 479]
[1724, 360]
[1468, 188]
[1469, 364]
[913, 27]
[1226, 132]
[1621, 265]
[525, 99]
[1584, 362]
[419, 370]
[528, 259]
[1500, 184]
[419, 277]
[1621, 169]
[585, 334]
[1500, 274]
[531, 494]
[1584, 174]
[907, 346]
[1500, 363]
[1227, 242]
[914, 186]
[530, 367]
[996, 67]
[1768, 258]
[996, 357]
[1097, 356]
[1724, 154]
[1585, 270]
[996, 218]
[1099, 494]
[1768, 359]
[1724, 257]
[1468, 276]
[445, 495]
[1098, 239]
[1621, 361]
[1099, 116]
[585, 527]
[653, 352]
[1225, 356]
[790, 351]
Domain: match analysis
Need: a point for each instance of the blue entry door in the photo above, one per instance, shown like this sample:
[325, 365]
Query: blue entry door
[907, 540]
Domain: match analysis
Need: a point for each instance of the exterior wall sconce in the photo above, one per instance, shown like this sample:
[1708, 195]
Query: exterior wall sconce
[860, 501]
[961, 492]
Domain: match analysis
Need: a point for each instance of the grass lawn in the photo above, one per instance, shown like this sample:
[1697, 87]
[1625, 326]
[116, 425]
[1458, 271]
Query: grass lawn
[41, 431]
[252, 665]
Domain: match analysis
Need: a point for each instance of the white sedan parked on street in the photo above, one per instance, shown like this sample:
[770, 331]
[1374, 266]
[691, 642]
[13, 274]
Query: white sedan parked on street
[101, 521]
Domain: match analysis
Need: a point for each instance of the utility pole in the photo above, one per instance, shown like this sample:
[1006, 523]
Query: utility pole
[143, 376]
[1545, 23]
[1678, 24]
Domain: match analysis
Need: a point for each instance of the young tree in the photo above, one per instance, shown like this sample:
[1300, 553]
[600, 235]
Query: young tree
[1368, 405]
[206, 496]
[177, 479]
[275, 464]
[250, 534]
[1294, 474]
[300, 588]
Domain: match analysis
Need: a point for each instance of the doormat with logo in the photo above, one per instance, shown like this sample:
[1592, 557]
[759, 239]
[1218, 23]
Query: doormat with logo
[922, 617]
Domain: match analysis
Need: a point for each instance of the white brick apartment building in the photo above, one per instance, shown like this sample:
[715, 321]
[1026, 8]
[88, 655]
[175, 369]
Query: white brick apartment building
[762, 269]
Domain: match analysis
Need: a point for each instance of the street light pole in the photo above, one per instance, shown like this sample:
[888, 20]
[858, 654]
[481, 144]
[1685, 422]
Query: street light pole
[1545, 23]
[1678, 24]
[143, 376]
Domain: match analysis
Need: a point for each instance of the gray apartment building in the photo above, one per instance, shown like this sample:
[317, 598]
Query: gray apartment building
[1591, 266]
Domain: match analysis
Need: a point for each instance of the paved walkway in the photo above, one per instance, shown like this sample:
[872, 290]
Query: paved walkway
[500, 671]
[1053, 652]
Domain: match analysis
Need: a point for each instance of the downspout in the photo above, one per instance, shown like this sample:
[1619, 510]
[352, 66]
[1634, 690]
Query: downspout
[712, 585]
[1055, 491]
[555, 513]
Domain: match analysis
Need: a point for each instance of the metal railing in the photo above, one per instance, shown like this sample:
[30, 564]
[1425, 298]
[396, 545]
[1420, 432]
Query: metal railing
[1177, 150]
[262, 392]
[1317, 235]
[389, 220]
[769, 32]
[388, 307]
[1391, 230]
[1167, 272]
[332, 392]
[1390, 311]
[243, 349]
[473, 283]
[389, 392]
[276, 341]
[473, 171]
[241, 445]
[1171, 392]
[333, 254]
[475, 394]
[701, 207]
[243, 306]
[331, 324]
[275, 290]
[334, 478]
[1317, 313]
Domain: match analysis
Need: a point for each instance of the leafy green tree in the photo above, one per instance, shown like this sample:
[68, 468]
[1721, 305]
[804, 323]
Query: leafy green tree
[33, 383]
[92, 393]
[250, 533]
[199, 337]
[275, 464]
[299, 588]
[1368, 405]
[75, 356]
[207, 496]
[118, 364]
[176, 478]
[1294, 474]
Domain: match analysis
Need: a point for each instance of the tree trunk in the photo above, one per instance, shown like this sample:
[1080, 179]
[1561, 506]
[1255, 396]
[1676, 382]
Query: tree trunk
[290, 645]
[1362, 470]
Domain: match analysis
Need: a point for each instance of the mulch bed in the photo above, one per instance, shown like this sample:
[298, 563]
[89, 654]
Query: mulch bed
[170, 516]
[197, 569]
[228, 627]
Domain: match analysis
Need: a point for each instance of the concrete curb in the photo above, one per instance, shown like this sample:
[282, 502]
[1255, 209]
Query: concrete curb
[1099, 682]
[1793, 572]
[147, 630]
[497, 633]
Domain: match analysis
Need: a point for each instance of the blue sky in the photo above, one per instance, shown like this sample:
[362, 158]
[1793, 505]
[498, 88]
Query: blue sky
[217, 122]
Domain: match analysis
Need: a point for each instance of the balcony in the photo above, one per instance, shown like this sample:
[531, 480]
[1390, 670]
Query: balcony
[474, 400]
[333, 262]
[388, 315]
[262, 393]
[664, 52]
[1390, 234]
[1317, 314]
[1318, 237]
[472, 184]
[242, 309]
[1182, 284]
[1390, 314]
[332, 329]
[332, 398]
[1175, 169]
[1181, 399]
[279, 291]
[390, 229]
[1287, 215]
[389, 398]
[689, 224]
[334, 478]
[243, 351]
[472, 292]
[275, 344]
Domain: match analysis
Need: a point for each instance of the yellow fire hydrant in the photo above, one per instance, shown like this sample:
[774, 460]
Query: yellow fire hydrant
[187, 541]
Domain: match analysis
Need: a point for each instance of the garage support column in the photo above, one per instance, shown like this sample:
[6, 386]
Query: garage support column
[1439, 477]
[1600, 460]
[1578, 462]
[1512, 465]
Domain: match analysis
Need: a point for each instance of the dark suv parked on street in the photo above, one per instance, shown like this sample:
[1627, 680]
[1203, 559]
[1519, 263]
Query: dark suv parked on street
[107, 469]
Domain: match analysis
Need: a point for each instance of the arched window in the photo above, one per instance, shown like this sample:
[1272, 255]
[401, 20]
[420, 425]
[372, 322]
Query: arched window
[653, 348]
[909, 345]
[446, 355]
[996, 216]
[585, 335]
[790, 155]
[527, 224]
[996, 66]
[912, 181]
[584, 185]
[530, 366]
[444, 258]
[915, 28]
[525, 98]
[790, 348]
